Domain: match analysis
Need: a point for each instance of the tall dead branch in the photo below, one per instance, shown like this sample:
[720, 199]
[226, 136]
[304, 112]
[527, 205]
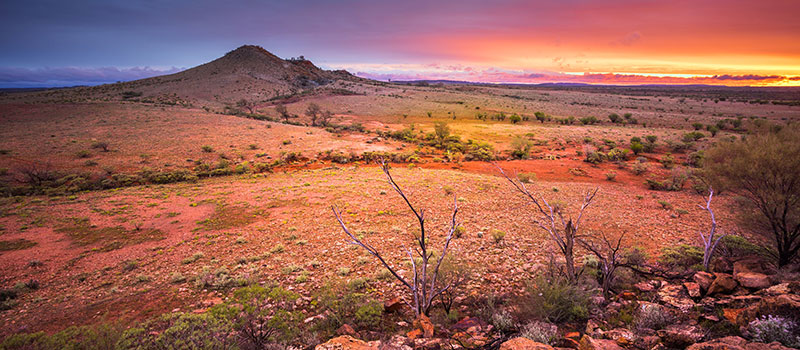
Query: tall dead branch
[608, 253]
[551, 219]
[710, 241]
[423, 284]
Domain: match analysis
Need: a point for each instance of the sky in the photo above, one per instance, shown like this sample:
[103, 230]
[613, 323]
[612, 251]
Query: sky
[731, 42]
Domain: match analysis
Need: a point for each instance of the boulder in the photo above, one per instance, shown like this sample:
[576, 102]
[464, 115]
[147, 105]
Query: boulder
[723, 284]
[753, 280]
[346, 342]
[393, 305]
[693, 288]
[751, 265]
[589, 343]
[703, 279]
[346, 329]
[424, 324]
[675, 296]
[726, 343]
[621, 336]
[735, 343]
[521, 343]
[680, 336]
[784, 304]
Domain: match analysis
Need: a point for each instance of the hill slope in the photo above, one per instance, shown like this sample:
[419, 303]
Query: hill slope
[249, 72]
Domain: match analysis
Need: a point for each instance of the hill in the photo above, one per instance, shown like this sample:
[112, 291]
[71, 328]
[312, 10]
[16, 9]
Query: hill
[248, 72]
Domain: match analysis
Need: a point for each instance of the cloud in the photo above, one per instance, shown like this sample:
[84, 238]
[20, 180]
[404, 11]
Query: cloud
[497, 75]
[70, 76]
[747, 77]
[629, 39]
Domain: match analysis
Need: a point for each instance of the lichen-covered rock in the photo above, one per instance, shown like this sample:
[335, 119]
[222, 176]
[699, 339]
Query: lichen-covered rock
[723, 284]
[346, 342]
[589, 343]
[753, 280]
[521, 343]
[703, 279]
[680, 336]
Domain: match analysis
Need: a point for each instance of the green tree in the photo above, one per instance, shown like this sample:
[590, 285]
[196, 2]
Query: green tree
[765, 169]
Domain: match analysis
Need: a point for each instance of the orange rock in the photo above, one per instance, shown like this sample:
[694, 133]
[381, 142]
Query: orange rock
[731, 314]
[424, 323]
[524, 344]
[414, 334]
[572, 335]
[345, 342]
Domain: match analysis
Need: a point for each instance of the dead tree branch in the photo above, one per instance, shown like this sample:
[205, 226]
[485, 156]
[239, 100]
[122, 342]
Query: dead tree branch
[423, 285]
[551, 219]
[710, 241]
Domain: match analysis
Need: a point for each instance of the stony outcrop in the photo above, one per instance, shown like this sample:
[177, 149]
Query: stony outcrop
[520, 343]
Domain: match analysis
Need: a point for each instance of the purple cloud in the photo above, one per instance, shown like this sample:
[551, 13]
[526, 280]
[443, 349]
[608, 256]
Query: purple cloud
[70, 76]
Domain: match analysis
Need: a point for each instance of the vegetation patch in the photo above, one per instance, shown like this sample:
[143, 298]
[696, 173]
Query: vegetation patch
[16, 244]
[229, 216]
[83, 233]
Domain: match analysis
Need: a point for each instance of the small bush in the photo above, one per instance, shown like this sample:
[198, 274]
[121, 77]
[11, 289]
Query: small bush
[768, 329]
[682, 258]
[207, 149]
[527, 177]
[555, 299]
[611, 175]
[667, 161]
[498, 236]
[639, 168]
[737, 246]
[542, 332]
[503, 321]
[652, 316]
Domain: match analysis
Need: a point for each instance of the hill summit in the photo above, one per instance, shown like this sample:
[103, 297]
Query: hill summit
[248, 72]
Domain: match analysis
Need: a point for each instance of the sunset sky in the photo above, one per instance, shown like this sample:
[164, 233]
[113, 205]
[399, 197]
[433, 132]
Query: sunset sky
[59, 43]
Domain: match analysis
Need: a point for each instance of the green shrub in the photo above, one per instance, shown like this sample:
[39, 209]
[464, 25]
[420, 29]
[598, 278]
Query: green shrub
[527, 177]
[733, 246]
[695, 159]
[682, 258]
[498, 236]
[556, 299]
[667, 161]
[637, 148]
[207, 149]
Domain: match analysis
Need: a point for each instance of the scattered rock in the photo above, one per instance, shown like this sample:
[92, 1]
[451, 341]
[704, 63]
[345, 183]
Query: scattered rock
[521, 343]
[346, 329]
[784, 304]
[735, 343]
[753, 280]
[393, 305]
[680, 336]
[693, 288]
[723, 284]
[622, 336]
[645, 286]
[751, 265]
[704, 279]
[674, 295]
[345, 342]
[589, 343]
[423, 323]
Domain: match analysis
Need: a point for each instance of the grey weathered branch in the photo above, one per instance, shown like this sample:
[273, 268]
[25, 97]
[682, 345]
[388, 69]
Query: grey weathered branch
[423, 287]
[551, 220]
[710, 241]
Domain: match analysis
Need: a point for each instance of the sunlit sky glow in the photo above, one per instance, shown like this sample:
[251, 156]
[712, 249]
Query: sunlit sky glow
[57, 43]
